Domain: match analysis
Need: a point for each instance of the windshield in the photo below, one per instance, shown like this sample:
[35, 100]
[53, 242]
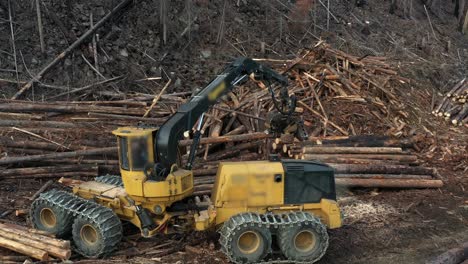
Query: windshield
[139, 152]
[123, 151]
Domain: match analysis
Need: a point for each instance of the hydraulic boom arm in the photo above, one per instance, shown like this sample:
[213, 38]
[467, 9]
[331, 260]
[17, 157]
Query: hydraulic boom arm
[170, 132]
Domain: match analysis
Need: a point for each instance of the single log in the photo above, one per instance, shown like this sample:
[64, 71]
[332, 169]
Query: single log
[384, 176]
[463, 113]
[72, 47]
[30, 123]
[45, 170]
[389, 183]
[24, 249]
[455, 88]
[26, 233]
[225, 139]
[359, 161]
[452, 256]
[453, 110]
[384, 168]
[350, 150]
[89, 173]
[41, 190]
[402, 158]
[58, 156]
[25, 107]
[58, 252]
[29, 144]
[345, 139]
[21, 212]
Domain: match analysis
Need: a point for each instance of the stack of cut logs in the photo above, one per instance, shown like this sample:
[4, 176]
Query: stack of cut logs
[365, 161]
[34, 243]
[454, 106]
[359, 161]
[338, 94]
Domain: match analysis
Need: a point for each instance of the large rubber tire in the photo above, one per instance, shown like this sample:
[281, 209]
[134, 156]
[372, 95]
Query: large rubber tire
[96, 232]
[236, 231]
[48, 217]
[306, 242]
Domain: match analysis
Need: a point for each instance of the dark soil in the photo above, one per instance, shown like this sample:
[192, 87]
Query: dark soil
[425, 222]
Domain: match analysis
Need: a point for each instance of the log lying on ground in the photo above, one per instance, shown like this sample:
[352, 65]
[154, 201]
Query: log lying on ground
[34, 244]
[226, 139]
[384, 168]
[361, 141]
[389, 183]
[402, 158]
[52, 250]
[48, 169]
[61, 155]
[383, 176]
[24, 249]
[452, 256]
[350, 150]
[23, 231]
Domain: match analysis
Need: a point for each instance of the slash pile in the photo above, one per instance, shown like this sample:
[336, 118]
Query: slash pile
[338, 94]
[454, 106]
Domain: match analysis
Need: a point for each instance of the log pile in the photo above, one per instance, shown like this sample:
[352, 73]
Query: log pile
[37, 244]
[338, 94]
[359, 161]
[453, 106]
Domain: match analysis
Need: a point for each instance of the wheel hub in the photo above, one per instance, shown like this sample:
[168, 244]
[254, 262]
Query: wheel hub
[89, 234]
[305, 241]
[248, 242]
[48, 217]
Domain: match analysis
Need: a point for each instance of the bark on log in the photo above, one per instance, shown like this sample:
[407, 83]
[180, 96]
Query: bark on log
[90, 173]
[384, 168]
[387, 183]
[350, 150]
[452, 256]
[45, 239]
[402, 158]
[61, 155]
[45, 170]
[384, 176]
[71, 108]
[225, 139]
[23, 249]
[58, 252]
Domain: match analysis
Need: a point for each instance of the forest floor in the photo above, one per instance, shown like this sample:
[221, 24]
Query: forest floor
[382, 226]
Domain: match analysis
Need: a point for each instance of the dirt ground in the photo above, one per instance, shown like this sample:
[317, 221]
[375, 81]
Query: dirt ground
[381, 226]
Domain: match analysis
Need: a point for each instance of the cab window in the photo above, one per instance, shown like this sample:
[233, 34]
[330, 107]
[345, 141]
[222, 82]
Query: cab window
[123, 153]
[139, 152]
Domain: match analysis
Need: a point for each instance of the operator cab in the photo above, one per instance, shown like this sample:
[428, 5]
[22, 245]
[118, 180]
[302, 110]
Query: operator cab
[135, 147]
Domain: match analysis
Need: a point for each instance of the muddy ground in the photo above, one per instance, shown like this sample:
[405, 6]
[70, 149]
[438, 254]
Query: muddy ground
[383, 226]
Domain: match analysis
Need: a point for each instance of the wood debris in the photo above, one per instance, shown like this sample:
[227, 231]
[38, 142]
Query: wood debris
[453, 106]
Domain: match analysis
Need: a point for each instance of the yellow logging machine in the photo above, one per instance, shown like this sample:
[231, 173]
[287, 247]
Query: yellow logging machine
[265, 211]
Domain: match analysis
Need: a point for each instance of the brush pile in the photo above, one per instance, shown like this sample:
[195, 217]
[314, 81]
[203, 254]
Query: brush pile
[338, 95]
[454, 106]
